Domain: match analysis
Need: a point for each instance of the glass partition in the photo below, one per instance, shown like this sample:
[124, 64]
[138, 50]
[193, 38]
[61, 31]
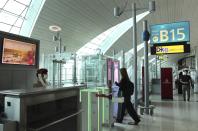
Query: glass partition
[93, 70]
[67, 69]
[60, 68]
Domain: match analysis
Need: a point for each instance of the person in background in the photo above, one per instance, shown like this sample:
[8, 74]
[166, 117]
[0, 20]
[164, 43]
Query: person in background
[41, 78]
[186, 84]
[127, 88]
[179, 83]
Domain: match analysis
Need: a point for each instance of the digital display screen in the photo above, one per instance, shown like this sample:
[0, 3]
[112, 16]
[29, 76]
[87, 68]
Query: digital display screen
[18, 52]
[116, 71]
[170, 49]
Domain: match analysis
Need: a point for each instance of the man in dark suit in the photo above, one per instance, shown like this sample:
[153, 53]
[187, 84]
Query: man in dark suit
[186, 84]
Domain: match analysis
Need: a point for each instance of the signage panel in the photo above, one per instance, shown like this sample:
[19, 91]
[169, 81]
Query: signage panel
[170, 33]
[162, 57]
[170, 49]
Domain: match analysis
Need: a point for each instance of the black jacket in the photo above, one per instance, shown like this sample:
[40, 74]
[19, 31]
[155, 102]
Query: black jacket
[186, 80]
[127, 87]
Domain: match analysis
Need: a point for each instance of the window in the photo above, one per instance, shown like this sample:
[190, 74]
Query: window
[12, 14]
[105, 40]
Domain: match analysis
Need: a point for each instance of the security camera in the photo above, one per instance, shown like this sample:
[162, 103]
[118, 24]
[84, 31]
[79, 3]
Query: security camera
[55, 38]
[151, 6]
[56, 49]
[116, 11]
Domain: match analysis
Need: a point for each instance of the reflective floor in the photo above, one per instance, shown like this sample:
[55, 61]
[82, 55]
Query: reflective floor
[175, 115]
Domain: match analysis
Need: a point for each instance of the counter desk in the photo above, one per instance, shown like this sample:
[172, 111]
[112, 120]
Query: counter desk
[44, 109]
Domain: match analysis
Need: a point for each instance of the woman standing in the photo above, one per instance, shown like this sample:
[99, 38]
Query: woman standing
[127, 88]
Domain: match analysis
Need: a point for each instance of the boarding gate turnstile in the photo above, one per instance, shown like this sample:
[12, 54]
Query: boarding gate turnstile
[98, 112]
[92, 110]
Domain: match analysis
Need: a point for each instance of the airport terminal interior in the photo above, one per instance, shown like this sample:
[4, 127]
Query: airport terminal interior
[98, 65]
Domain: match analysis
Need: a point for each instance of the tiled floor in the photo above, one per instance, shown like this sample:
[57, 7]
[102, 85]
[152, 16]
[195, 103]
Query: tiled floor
[175, 115]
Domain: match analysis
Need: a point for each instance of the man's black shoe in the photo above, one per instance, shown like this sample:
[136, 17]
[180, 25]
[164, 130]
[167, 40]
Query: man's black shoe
[136, 123]
[118, 121]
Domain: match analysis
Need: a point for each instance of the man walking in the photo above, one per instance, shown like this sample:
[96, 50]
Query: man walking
[186, 84]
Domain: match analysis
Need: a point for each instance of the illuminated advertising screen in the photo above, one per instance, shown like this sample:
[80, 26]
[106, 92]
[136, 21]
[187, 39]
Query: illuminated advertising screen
[112, 69]
[170, 33]
[116, 71]
[18, 52]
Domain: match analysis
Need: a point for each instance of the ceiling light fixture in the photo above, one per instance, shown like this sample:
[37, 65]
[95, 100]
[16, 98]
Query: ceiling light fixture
[55, 28]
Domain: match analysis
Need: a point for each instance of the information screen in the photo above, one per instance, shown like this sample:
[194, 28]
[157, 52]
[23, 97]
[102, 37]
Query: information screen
[170, 33]
[18, 52]
[170, 49]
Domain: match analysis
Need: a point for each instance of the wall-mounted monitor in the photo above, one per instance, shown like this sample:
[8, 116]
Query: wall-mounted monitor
[18, 50]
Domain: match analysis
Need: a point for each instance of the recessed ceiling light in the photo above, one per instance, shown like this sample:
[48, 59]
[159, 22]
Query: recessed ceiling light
[55, 28]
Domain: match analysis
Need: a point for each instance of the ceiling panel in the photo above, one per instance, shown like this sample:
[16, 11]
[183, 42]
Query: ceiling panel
[82, 20]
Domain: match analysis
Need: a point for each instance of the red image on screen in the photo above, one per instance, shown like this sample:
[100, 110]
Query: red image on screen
[17, 52]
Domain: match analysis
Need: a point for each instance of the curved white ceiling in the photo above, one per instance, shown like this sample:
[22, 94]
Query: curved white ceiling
[83, 20]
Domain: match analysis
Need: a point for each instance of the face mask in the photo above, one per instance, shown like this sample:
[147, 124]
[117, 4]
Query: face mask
[41, 80]
[45, 77]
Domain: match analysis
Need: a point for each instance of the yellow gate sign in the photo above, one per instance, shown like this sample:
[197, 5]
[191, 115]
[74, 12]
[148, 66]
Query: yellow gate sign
[170, 49]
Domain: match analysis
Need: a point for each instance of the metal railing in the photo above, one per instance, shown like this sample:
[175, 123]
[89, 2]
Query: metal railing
[55, 122]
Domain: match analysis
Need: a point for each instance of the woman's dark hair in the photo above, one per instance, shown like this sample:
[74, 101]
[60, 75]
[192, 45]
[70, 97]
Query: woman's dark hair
[41, 71]
[124, 73]
[180, 74]
[186, 71]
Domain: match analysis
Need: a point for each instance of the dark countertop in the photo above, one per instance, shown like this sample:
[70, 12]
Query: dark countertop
[36, 91]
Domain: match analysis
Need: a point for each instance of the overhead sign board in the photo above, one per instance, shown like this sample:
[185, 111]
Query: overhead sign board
[170, 33]
[162, 57]
[170, 49]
